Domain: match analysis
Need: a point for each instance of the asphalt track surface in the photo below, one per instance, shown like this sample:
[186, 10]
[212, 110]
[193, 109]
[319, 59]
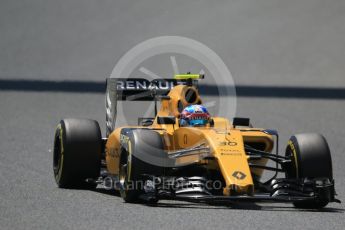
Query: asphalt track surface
[276, 50]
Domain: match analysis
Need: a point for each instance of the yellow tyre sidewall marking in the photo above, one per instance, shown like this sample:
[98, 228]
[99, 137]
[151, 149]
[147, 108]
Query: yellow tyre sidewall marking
[292, 147]
[129, 161]
[123, 190]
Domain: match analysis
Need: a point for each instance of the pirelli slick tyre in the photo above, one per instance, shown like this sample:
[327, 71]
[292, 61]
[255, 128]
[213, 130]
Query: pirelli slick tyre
[77, 153]
[136, 146]
[311, 159]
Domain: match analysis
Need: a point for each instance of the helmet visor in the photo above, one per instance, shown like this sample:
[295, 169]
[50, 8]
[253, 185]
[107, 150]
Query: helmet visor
[197, 122]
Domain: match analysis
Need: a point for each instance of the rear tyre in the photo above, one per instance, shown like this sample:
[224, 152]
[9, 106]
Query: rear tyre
[311, 159]
[136, 146]
[77, 153]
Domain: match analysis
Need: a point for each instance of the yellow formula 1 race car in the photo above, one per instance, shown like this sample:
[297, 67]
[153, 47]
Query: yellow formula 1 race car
[183, 153]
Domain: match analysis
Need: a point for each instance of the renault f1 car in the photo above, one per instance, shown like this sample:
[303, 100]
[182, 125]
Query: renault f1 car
[221, 161]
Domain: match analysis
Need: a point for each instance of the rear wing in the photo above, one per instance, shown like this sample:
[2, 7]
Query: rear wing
[140, 89]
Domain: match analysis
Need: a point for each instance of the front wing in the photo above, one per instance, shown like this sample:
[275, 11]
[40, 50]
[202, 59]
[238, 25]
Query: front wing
[279, 190]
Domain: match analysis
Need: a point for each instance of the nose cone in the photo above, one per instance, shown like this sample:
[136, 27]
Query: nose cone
[233, 163]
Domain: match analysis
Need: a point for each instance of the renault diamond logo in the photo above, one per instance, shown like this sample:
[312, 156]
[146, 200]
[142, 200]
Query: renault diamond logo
[239, 175]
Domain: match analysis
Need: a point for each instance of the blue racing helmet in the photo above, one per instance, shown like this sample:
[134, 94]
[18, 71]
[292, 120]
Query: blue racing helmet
[194, 115]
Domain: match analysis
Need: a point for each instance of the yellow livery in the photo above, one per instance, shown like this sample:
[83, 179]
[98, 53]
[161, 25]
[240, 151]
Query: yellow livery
[163, 157]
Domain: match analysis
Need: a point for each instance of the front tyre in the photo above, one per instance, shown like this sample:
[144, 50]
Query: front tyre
[137, 146]
[77, 153]
[310, 158]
